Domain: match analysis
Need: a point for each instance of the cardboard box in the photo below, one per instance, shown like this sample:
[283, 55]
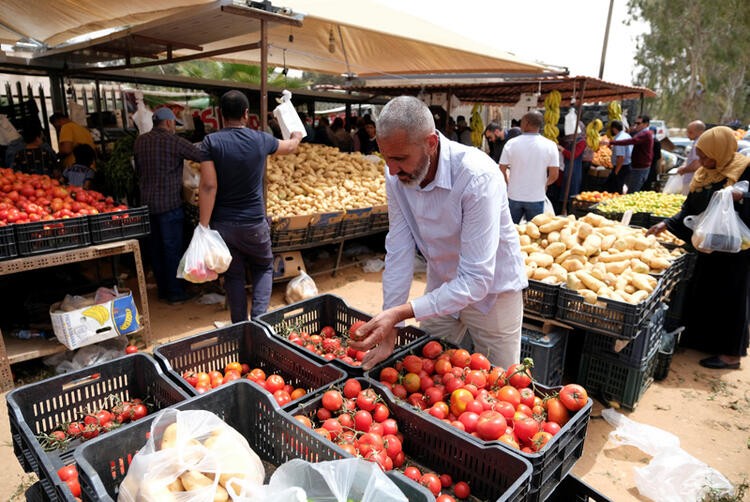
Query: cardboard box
[95, 323]
[287, 265]
[323, 219]
[291, 222]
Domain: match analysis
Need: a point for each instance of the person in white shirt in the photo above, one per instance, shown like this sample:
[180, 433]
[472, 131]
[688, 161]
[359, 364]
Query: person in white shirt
[450, 201]
[692, 163]
[534, 164]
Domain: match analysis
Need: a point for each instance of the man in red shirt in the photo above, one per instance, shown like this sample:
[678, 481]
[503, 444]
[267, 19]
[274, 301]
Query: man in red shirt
[643, 151]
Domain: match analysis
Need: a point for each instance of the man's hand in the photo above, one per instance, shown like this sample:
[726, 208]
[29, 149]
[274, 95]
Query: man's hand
[657, 229]
[296, 135]
[378, 337]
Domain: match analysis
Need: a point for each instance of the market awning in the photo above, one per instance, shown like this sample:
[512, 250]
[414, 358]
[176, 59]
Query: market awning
[362, 38]
[509, 92]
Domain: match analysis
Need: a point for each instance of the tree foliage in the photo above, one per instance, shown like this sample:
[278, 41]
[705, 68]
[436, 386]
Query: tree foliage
[696, 57]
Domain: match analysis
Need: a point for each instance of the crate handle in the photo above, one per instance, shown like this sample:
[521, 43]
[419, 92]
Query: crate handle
[82, 381]
[204, 343]
[293, 313]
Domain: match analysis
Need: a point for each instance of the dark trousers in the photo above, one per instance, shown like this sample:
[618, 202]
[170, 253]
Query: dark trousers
[616, 181]
[165, 247]
[250, 245]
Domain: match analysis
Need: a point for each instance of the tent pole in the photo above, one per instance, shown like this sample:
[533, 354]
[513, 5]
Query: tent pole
[263, 74]
[573, 151]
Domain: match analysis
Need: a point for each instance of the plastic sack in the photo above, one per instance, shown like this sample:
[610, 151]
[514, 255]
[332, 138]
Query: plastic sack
[143, 117]
[8, 133]
[288, 117]
[719, 228]
[337, 481]
[206, 455]
[301, 288]
[206, 257]
[674, 184]
[672, 475]
[373, 265]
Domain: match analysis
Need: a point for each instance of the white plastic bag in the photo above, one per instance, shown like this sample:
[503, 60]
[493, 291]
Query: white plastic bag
[206, 257]
[203, 444]
[337, 481]
[672, 475]
[301, 288]
[288, 117]
[719, 227]
[674, 184]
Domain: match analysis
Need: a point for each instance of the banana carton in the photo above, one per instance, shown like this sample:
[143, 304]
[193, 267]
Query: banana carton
[95, 323]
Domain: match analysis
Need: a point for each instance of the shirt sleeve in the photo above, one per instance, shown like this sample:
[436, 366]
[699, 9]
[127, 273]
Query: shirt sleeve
[505, 156]
[477, 255]
[399, 257]
[187, 150]
[66, 134]
[635, 140]
[205, 149]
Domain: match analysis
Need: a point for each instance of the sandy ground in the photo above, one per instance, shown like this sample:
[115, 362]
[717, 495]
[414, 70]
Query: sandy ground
[708, 410]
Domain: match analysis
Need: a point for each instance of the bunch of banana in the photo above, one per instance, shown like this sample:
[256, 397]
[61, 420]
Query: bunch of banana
[615, 113]
[592, 134]
[477, 127]
[552, 115]
[99, 313]
[128, 320]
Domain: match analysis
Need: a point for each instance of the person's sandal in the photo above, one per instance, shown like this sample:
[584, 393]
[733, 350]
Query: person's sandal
[716, 363]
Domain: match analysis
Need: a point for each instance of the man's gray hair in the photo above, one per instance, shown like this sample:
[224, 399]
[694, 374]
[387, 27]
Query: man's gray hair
[406, 113]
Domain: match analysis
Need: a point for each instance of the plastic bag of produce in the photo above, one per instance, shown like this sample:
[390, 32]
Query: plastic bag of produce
[206, 257]
[190, 456]
[674, 184]
[719, 227]
[301, 288]
[288, 117]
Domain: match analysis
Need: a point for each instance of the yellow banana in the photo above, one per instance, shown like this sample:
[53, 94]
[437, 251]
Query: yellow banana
[128, 320]
[552, 115]
[97, 312]
[592, 134]
[477, 126]
[615, 113]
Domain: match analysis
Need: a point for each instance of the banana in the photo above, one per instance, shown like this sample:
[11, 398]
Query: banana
[128, 320]
[477, 126]
[592, 134]
[97, 312]
[552, 115]
[615, 113]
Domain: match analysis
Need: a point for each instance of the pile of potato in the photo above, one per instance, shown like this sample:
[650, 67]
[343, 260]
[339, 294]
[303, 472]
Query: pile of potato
[321, 179]
[594, 256]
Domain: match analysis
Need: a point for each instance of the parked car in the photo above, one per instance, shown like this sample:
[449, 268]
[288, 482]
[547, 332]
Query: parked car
[682, 146]
[661, 129]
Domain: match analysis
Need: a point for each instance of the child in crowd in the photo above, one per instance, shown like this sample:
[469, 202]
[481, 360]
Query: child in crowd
[81, 173]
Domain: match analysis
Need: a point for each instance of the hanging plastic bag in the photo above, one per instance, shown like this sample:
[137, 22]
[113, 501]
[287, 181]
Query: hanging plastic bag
[206, 257]
[337, 481]
[674, 184]
[672, 475]
[288, 117]
[718, 228]
[190, 456]
[301, 288]
[8, 133]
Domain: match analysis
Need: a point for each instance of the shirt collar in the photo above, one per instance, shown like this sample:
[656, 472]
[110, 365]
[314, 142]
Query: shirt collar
[443, 178]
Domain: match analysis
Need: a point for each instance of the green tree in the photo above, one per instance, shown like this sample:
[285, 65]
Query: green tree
[236, 72]
[696, 57]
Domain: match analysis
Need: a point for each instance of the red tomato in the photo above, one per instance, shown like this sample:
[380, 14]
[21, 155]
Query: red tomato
[327, 332]
[380, 413]
[527, 396]
[525, 428]
[282, 397]
[369, 442]
[469, 420]
[551, 427]
[444, 497]
[303, 420]
[412, 364]
[392, 445]
[190, 377]
[257, 375]
[461, 358]
[462, 490]
[367, 399]
[432, 482]
[412, 472]
[362, 420]
[475, 406]
[389, 374]
[442, 366]
[573, 397]
[510, 441]
[274, 383]
[539, 440]
[519, 375]
[131, 349]
[556, 411]
[490, 425]
[446, 480]
[432, 349]
[353, 331]
[75, 429]
[479, 362]
[74, 486]
[390, 426]
[332, 400]
[334, 428]
[460, 398]
[68, 472]
[510, 395]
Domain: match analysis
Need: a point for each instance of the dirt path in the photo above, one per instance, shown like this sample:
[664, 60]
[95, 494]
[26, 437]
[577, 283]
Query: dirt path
[708, 410]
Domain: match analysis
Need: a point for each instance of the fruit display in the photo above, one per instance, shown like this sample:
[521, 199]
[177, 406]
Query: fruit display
[321, 179]
[328, 344]
[552, 115]
[464, 390]
[658, 204]
[667, 237]
[594, 256]
[28, 198]
[603, 156]
[357, 420]
[203, 381]
[592, 134]
[595, 196]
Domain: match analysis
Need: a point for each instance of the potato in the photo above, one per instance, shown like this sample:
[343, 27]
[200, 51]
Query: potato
[195, 480]
[592, 244]
[590, 281]
[553, 237]
[540, 273]
[584, 231]
[564, 256]
[169, 437]
[588, 296]
[638, 266]
[553, 225]
[608, 241]
[525, 240]
[578, 250]
[555, 249]
[617, 267]
[154, 490]
[541, 259]
[573, 282]
[552, 279]
[541, 219]
[530, 271]
[594, 220]
[532, 230]
[572, 265]
[639, 296]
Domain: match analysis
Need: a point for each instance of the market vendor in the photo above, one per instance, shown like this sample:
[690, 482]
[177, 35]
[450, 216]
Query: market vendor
[69, 135]
[450, 201]
[717, 296]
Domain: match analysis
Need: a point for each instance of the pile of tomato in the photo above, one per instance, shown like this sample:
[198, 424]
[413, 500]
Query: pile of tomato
[493, 404]
[27, 198]
[359, 422]
[329, 344]
[283, 392]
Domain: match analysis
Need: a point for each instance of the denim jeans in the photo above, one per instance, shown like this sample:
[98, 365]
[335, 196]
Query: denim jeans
[636, 179]
[527, 209]
[165, 247]
[250, 246]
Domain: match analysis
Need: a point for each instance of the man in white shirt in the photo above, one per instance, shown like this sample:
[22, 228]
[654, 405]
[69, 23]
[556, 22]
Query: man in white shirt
[450, 201]
[692, 163]
[534, 164]
[621, 158]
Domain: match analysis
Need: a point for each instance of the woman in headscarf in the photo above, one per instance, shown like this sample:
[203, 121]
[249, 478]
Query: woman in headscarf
[716, 302]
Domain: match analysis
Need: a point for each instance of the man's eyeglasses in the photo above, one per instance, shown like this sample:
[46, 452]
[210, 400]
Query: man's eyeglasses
[636, 122]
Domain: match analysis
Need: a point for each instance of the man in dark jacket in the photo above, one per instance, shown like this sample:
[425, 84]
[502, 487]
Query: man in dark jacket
[495, 135]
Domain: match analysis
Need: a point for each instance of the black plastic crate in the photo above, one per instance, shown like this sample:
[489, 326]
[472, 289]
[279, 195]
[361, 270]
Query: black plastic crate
[275, 436]
[493, 473]
[356, 226]
[636, 219]
[379, 222]
[541, 298]
[324, 233]
[37, 408]
[53, 235]
[634, 352]
[550, 465]
[7, 243]
[249, 343]
[548, 353]
[327, 310]
[612, 380]
[669, 341]
[608, 317]
[120, 225]
[572, 489]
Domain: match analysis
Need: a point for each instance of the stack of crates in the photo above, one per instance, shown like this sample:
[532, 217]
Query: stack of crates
[619, 369]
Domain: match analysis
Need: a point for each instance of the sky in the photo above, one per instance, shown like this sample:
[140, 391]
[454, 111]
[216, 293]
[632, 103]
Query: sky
[566, 33]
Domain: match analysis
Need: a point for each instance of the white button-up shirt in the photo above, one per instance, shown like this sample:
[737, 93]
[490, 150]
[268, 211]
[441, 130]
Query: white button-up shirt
[461, 224]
